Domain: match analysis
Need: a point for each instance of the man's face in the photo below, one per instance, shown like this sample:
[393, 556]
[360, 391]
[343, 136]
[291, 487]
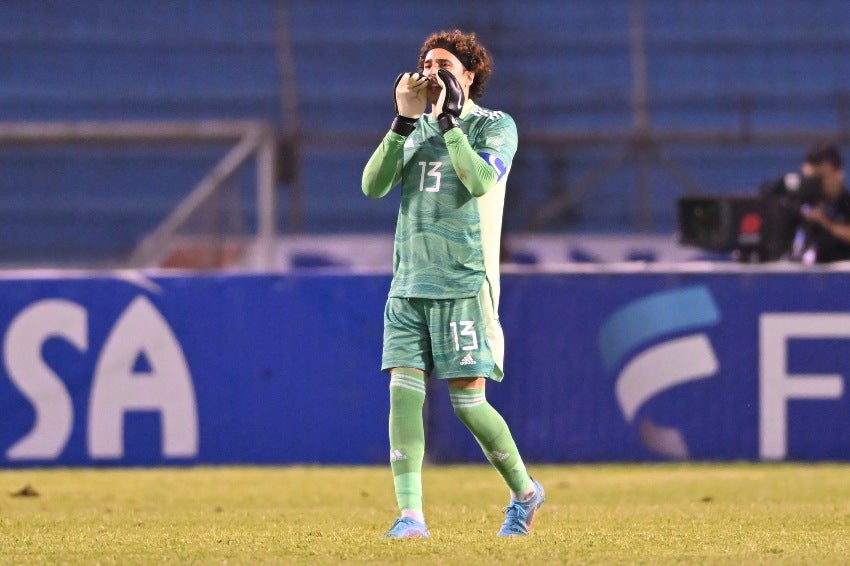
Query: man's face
[440, 58]
[832, 178]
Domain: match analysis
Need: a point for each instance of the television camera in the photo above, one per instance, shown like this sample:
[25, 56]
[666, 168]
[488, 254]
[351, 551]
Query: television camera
[754, 228]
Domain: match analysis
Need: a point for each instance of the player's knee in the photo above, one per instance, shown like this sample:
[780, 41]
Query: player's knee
[466, 403]
[461, 414]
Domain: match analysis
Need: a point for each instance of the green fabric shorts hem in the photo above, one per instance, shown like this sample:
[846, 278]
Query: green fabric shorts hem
[445, 338]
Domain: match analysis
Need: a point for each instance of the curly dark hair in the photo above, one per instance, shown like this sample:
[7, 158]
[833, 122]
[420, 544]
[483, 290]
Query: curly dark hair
[824, 152]
[466, 48]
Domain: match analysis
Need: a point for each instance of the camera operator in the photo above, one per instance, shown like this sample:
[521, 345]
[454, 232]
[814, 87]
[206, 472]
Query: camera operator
[823, 230]
[827, 222]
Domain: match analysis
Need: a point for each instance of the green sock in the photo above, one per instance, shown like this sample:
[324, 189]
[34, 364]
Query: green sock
[492, 433]
[407, 436]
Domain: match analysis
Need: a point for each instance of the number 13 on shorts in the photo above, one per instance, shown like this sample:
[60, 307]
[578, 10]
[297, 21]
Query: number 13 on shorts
[464, 335]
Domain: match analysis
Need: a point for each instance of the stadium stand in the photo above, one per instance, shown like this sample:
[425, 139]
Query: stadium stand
[95, 61]
[743, 85]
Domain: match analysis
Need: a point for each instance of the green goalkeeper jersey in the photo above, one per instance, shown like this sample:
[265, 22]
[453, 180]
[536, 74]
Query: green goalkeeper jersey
[453, 191]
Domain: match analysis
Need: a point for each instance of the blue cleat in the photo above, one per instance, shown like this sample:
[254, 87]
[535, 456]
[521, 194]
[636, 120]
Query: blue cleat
[405, 527]
[520, 514]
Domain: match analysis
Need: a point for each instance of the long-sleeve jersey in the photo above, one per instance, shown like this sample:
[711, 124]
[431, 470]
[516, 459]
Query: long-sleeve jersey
[453, 191]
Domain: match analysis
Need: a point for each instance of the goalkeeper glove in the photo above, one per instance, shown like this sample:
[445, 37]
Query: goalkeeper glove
[450, 102]
[410, 100]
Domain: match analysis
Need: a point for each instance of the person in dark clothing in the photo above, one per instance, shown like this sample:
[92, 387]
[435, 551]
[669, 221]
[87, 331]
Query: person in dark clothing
[825, 234]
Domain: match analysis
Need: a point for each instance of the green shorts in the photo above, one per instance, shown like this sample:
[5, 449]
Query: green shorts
[445, 338]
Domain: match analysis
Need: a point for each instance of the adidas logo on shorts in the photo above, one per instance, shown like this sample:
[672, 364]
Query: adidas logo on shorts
[467, 360]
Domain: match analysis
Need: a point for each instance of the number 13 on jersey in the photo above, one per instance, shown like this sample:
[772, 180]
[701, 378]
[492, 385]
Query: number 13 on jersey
[463, 332]
[431, 176]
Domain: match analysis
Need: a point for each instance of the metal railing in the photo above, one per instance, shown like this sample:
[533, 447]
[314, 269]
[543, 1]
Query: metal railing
[253, 140]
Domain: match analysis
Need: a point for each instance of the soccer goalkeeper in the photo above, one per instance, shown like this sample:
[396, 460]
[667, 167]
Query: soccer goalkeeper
[441, 317]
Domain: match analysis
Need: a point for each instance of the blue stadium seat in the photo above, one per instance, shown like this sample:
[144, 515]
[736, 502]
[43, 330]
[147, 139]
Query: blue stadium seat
[561, 67]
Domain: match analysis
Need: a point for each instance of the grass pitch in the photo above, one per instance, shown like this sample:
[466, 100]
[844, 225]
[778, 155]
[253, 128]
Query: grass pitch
[611, 514]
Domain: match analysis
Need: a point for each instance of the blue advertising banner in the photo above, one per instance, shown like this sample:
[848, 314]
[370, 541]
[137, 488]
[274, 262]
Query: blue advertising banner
[119, 369]
[218, 369]
[648, 366]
